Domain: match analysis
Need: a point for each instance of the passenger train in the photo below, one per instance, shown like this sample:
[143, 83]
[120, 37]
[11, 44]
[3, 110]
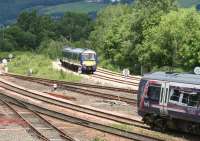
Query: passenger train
[78, 59]
[170, 101]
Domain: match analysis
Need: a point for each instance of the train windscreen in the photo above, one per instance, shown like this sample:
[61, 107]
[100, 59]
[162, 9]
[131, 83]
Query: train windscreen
[88, 57]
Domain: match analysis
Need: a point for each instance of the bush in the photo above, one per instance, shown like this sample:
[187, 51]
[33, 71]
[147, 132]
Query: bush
[51, 48]
[41, 67]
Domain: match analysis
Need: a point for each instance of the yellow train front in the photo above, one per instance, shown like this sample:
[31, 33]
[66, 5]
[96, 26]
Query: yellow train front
[79, 60]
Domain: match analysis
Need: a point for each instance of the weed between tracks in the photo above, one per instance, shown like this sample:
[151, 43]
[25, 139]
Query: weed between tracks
[123, 127]
[98, 139]
[159, 135]
[41, 67]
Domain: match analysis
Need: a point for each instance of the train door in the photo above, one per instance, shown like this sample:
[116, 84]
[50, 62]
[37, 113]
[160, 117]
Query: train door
[164, 98]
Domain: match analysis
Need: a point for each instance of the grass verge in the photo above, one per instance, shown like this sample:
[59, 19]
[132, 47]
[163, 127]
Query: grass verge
[41, 67]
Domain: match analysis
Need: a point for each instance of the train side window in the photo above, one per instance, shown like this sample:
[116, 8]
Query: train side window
[185, 98]
[154, 92]
[175, 96]
[193, 100]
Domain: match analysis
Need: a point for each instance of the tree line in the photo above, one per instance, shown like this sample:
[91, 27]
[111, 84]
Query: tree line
[146, 36]
[31, 29]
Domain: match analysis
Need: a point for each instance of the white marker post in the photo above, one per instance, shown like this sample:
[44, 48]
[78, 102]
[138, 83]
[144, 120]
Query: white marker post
[5, 63]
[55, 86]
[126, 73]
[10, 56]
[197, 70]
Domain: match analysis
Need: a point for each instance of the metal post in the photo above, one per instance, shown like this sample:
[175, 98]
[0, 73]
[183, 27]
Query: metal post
[2, 32]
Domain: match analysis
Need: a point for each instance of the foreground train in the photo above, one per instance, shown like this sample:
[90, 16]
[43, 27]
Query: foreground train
[170, 101]
[80, 60]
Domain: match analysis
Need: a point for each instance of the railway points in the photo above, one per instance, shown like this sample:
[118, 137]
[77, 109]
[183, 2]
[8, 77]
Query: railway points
[104, 128]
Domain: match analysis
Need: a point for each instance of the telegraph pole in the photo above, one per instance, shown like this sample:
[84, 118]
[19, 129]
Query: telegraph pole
[2, 27]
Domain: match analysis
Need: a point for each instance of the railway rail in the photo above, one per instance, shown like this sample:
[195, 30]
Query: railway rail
[108, 72]
[114, 79]
[78, 89]
[64, 83]
[49, 130]
[86, 123]
[66, 104]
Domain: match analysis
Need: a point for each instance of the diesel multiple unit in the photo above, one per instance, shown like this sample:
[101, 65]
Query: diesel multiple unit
[170, 100]
[80, 60]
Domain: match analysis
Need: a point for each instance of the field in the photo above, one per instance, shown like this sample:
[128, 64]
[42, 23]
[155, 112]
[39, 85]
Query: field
[10, 9]
[80, 7]
[41, 67]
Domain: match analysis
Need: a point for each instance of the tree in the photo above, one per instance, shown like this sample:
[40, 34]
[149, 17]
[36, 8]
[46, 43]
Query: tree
[174, 42]
[24, 40]
[112, 33]
[120, 30]
[74, 26]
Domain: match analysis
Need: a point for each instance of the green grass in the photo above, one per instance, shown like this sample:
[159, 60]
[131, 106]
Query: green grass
[98, 139]
[123, 127]
[79, 7]
[40, 65]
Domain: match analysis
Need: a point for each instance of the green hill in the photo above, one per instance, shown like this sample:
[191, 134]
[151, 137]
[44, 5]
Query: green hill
[81, 7]
[10, 9]
[188, 3]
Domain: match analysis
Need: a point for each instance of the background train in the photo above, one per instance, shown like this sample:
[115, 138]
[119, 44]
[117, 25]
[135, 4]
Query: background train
[79, 60]
[170, 101]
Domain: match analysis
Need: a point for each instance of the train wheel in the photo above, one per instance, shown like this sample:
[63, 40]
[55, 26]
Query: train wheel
[160, 124]
[193, 128]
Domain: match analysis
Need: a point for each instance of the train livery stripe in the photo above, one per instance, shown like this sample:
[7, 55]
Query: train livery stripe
[168, 108]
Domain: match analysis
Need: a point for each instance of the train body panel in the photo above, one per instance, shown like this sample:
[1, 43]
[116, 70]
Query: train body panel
[78, 59]
[170, 99]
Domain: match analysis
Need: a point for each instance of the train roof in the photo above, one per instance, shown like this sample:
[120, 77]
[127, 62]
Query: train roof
[186, 78]
[75, 50]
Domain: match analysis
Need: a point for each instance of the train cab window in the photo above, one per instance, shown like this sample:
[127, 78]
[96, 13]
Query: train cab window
[175, 96]
[154, 92]
[89, 57]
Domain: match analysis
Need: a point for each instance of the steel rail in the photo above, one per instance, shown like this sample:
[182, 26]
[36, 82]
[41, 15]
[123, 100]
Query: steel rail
[88, 92]
[73, 106]
[120, 76]
[97, 94]
[89, 124]
[65, 83]
[39, 134]
[115, 80]
[61, 133]
[101, 70]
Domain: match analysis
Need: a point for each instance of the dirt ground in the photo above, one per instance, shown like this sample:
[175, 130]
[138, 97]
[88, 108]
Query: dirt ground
[83, 133]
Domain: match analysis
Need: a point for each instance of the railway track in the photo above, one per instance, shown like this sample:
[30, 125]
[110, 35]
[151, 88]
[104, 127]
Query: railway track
[43, 109]
[108, 72]
[64, 83]
[67, 104]
[114, 79]
[78, 89]
[48, 131]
